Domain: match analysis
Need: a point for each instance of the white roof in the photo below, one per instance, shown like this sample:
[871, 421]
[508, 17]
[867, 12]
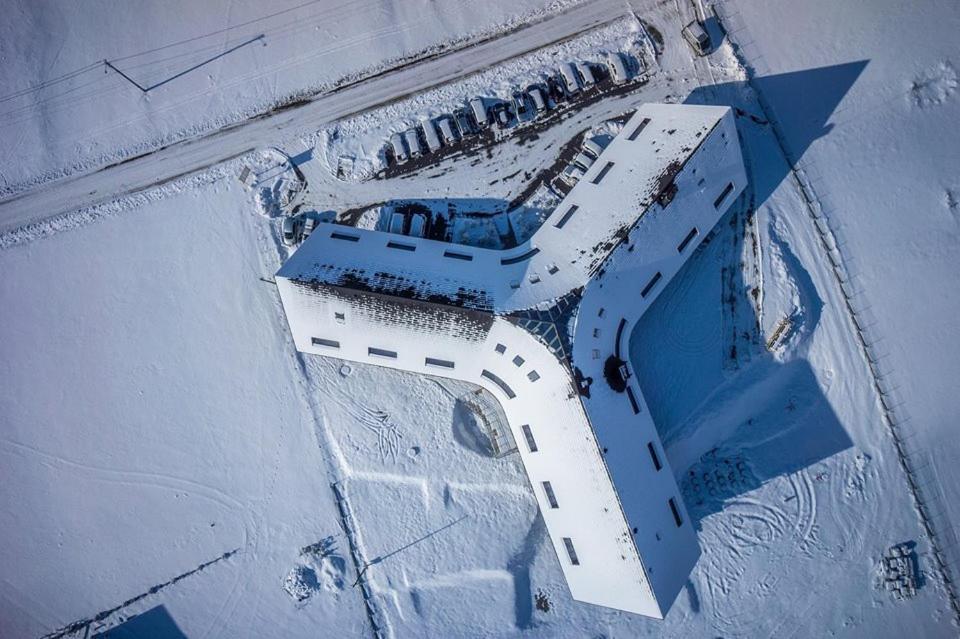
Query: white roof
[456, 311]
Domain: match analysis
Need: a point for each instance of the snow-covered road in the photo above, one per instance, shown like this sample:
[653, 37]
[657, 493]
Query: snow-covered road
[189, 156]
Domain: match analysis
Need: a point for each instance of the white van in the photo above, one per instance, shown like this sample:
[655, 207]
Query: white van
[448, 130]
[583, 160]
[430, 135]
[591, 148]
[586, 73]
[570, 80]
[413, 143]
[479, 113]
[697, 37]
[571, 175]
[399, 148]
[418, 225]
[539, 97]
[396, 223]
[309, 224]
[618, 70]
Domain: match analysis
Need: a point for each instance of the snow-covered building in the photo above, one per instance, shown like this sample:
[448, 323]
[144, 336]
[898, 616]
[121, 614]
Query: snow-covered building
[544, 327]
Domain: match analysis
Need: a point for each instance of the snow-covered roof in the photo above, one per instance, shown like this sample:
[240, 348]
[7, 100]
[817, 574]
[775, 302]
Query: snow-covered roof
[592, 453]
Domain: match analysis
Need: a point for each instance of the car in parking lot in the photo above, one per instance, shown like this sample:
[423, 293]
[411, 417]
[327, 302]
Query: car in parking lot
[479, 112]
[591, 148]
[449, 132]
[309, 224]
[571, 80]
[583, 160]
[586, 74]
[502, 115]
[538, 95]
[697, 37]
[521, 104]
[617, 67]
[556, 89]
[413, 143]
[399, 148]
[290, 229]
[464, 123]
[430, 136]
[571, 175]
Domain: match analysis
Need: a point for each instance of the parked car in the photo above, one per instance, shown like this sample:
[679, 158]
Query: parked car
[413, 143]
[591, 148]
[291, 229]
[697, 37]
[430, 135]
[479, 111]
[618, 69]
[571, 175]
[448, 129]
[586, 74]
[418, 225]
[502, 115]
[309, 224]
[538, 95]
[555, 88]
[583, 160]
[571, 82]
[397, 221]
[521, 104]
[399, 148]
[464, 123]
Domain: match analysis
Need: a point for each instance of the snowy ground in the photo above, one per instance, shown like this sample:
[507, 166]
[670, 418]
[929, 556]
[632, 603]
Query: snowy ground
[210, 64]
[155, 416]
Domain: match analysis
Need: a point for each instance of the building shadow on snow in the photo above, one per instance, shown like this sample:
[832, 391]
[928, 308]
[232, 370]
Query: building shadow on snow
[155, 623]
[731, 415]
[800, 103]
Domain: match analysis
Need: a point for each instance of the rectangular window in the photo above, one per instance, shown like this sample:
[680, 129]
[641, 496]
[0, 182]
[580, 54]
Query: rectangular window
[500, 348]
[720, 198]
[319, 341]
[566, 216]
[689, 238]
[380, 352]
[346, 237]
[676, 512]
[518, 361]
[649, 287]
[499, 382]
[400, 246]
[603, 173]
[640, 127]
[440, 363]
[551, 497]
[458, 256]
[528, 435]
[633, 401]
[533, 376]
[654, 456]
[571, 551]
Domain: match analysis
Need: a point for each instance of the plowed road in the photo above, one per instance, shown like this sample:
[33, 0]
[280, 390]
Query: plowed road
[196, 154]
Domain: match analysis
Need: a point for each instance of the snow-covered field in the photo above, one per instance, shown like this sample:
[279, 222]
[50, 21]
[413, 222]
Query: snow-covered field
[167, 456]
[205, 65]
